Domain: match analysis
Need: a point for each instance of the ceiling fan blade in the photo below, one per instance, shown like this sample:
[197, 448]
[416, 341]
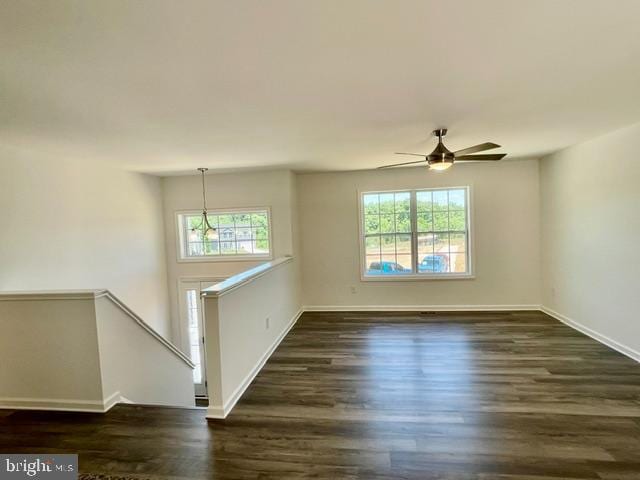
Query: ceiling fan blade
[477, 148]
[416, 154]
[399, 164]
[480, 158]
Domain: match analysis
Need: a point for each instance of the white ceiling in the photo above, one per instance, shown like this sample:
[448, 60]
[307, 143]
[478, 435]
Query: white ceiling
[168, 86]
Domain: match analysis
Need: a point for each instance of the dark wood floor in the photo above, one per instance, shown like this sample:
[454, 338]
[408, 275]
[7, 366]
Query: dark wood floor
[508, 396]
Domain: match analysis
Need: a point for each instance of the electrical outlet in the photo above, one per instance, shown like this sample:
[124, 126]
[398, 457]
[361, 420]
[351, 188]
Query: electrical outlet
[353, 289]
[267, 322]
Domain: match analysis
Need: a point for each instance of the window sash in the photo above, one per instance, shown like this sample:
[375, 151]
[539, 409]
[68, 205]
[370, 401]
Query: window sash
[237, 239]
[417, 233]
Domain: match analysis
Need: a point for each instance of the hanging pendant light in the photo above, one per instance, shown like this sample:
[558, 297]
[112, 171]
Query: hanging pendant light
[209, 232]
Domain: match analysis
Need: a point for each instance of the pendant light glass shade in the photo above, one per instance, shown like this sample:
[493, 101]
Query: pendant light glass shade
[194, 235]
[210, 233]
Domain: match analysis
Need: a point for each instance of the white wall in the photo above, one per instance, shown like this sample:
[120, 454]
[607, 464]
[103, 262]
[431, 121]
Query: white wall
[590, 208]
[233, 190]
[505, 212]
[82, 225]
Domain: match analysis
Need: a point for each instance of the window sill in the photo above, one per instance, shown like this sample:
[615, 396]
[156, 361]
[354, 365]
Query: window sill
[226, 258]
[414, 278]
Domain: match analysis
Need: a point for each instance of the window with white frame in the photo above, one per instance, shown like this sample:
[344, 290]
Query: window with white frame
[239, 233]
[416, 233]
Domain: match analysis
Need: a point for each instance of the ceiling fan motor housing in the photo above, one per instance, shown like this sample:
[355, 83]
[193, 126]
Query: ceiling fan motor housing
[440, 154]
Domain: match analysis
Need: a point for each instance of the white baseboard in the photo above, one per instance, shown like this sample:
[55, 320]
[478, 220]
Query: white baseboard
[60, 404]
[609, 342]
[217, 411]
[221, 411]
[70, 405]
[418, 308]
[111, 400]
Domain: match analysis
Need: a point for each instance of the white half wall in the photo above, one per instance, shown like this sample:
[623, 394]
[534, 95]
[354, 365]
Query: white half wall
[72, 225]
[590, 210]
[137, 365]
[85, 351]
[49, 354]
[246, 318]
[506, 233]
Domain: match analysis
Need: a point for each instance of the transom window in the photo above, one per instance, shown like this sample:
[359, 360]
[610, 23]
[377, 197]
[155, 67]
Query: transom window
[239, 233]
[415, 233]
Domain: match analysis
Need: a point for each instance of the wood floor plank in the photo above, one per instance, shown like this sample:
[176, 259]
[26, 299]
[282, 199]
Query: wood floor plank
[384, 395]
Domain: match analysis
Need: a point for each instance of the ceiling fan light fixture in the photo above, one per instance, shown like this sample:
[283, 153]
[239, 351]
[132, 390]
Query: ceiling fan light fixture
[440, 166]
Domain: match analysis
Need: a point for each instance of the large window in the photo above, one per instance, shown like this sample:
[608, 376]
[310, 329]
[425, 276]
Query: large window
[416, 233]
[240, 234]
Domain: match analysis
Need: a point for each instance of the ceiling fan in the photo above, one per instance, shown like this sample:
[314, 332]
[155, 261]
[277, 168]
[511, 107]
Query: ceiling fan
[442, 158]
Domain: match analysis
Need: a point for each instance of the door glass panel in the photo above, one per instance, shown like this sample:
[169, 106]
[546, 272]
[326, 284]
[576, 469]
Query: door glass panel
[195, 345]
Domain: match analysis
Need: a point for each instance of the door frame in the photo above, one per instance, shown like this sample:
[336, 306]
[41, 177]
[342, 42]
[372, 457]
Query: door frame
[182, 328]
[185, 284]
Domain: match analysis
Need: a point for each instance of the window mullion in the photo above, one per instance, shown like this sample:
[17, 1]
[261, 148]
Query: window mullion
[413, 215]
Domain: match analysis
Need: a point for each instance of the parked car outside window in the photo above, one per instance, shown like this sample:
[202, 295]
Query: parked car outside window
[437, 263]
[386, 267]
